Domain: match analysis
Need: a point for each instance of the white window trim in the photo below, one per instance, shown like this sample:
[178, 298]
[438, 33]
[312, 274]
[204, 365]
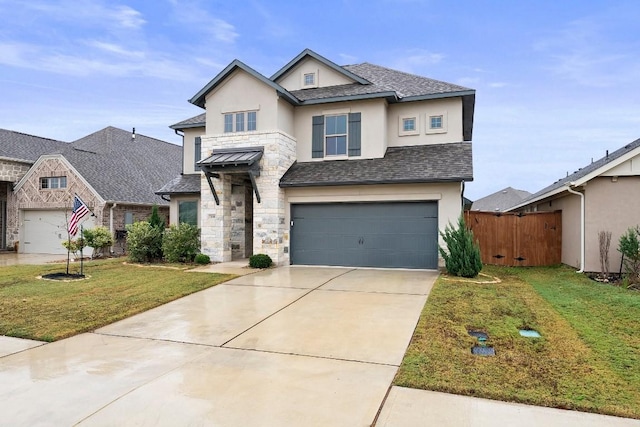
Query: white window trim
[346, 135]
[316, 78]
[49, 180]
[431, 131]
[402, 132]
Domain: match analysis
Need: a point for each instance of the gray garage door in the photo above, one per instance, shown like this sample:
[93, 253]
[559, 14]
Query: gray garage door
[402, 235]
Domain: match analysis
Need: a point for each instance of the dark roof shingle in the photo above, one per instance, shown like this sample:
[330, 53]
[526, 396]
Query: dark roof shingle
[182, 184]
[27, 148]
[413, 164]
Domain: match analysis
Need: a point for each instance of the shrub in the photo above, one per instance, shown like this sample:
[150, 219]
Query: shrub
[462, 257]
[202, 259]
[181, 243]
[629, 246]
[74, 246]
[155, 220]
[98, 238]
[260, 261]
[144, 242]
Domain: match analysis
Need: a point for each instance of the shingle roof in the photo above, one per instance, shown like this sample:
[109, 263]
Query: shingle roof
[182, 184]
[123, 169]
[413, 164]
[500, 200]
[404, 84]
[193, 122]
[27, 148]
[580, 173]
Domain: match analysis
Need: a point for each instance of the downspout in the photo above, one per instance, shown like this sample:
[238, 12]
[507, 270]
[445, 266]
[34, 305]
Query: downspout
[582, 254]
[113, 234]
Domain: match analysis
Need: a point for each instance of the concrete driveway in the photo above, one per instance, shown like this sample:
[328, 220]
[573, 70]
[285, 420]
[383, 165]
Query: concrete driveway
[283, 347]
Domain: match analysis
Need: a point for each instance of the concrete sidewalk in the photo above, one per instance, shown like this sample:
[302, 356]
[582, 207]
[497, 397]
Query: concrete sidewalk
[405, 407]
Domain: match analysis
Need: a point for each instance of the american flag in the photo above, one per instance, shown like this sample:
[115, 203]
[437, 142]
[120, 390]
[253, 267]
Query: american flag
[80, 210]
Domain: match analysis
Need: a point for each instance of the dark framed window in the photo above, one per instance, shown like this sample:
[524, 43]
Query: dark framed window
[188, 212]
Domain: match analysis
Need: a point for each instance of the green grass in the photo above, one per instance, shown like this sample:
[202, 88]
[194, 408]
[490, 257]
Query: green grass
[587, 358]
[51, 310]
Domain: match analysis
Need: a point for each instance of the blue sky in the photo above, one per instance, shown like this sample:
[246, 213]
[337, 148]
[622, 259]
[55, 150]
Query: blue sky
[557, 82]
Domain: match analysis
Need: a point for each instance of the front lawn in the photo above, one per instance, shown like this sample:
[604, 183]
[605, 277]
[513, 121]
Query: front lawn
[51, 310]
[587, 359]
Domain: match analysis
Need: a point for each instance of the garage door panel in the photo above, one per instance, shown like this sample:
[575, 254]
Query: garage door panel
[399, 234]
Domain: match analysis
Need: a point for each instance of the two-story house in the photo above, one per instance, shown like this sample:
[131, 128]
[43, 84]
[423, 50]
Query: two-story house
[321, 164]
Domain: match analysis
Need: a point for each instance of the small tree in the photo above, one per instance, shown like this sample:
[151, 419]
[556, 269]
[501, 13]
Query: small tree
[629, 246]
[155, 220]
[181, 243]
[74, 246]
[604, 242]
[98, 238]
[144, 242]
[462, 257]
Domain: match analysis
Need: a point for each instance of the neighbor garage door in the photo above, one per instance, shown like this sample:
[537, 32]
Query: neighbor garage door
[43, 232]
[399, 234]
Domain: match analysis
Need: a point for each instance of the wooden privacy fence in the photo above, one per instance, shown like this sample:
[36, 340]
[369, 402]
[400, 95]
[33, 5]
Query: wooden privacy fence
[518, 239]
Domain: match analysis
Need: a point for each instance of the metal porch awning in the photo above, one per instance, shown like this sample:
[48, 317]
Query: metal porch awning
[233, 161]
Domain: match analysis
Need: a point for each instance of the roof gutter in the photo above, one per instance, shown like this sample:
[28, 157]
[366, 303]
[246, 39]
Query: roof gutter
[582, 249]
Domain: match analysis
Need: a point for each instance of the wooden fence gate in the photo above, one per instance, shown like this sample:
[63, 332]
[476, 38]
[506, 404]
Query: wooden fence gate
[517, 239]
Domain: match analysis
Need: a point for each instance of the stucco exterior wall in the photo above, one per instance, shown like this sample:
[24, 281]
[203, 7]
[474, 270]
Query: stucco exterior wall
[448, 196]
[449, 108]
[293, 80]
[373, 126]
[570, 207]
[242, 92]
[612, 204]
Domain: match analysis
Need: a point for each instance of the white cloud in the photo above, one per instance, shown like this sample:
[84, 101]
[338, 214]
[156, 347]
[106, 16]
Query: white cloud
[196, 17]
[498, 84]
[415, 60]
[114, 49]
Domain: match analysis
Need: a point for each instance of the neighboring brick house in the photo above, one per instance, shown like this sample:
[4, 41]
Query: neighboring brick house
[115, 172]
[356, 165]
[602, 196]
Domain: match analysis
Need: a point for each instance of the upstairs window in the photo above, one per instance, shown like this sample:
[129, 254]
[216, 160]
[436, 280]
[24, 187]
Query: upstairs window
[408, 125]
[435, 122]
[310, 79]
[336, 135]
[53, 182]
[240, 122]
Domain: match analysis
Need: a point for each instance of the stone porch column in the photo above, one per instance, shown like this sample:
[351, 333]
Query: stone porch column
[215, 233]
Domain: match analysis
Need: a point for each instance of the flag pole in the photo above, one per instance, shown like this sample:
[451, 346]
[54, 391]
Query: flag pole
[68, 241]
[81, 247]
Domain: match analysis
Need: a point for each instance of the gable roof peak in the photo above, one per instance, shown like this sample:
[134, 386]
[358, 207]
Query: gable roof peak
[310, 53]
[199, 98]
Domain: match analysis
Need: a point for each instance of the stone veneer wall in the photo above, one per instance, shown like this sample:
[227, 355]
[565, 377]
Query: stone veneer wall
[270, 232]
[13, 171]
